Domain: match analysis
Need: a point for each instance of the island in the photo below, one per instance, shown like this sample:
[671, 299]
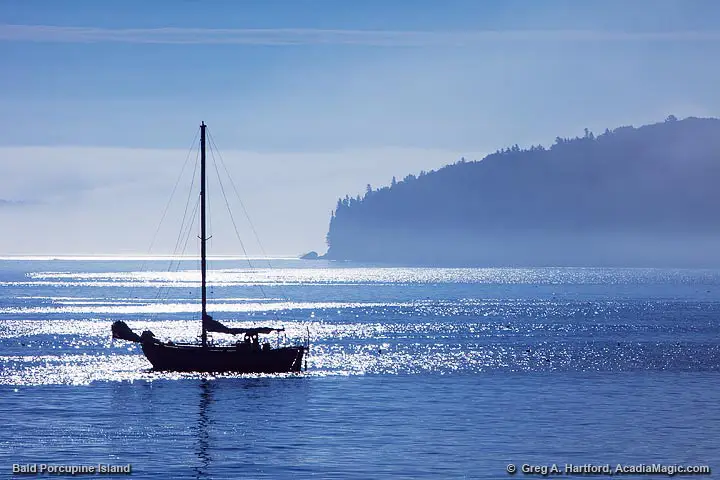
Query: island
[647, 196]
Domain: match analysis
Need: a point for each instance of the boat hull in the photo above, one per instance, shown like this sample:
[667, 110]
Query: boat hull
[236, 359]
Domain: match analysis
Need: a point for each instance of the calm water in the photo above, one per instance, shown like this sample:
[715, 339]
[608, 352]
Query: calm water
[413, 372]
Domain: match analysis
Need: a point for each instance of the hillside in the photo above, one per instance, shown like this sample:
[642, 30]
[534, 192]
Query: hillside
[630, 196]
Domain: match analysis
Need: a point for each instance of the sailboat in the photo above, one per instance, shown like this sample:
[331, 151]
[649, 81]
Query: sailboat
[247, 356]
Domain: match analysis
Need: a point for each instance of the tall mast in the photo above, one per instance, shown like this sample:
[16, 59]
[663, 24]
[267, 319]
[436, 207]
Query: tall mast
[203, 236]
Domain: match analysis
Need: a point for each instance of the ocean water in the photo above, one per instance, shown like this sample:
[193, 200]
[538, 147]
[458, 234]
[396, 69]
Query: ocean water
[412, 373]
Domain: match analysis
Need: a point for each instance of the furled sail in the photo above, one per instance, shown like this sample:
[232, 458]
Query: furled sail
[121, 330]
[215, 326]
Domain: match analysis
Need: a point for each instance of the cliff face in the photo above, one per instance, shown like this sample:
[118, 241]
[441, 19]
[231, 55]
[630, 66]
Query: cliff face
[631, 196]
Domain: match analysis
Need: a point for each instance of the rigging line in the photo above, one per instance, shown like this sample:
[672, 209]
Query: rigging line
[232, 183]
[227, 205]
[187, 204]
[208, 230]
[222, 189]
[190, 226]
[175, 257]
[247, 216]
[162, 292]
[172, 194]
[232, 219]
[174, 263]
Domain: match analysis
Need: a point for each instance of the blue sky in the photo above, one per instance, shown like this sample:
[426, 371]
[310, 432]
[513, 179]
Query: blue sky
[310, 100]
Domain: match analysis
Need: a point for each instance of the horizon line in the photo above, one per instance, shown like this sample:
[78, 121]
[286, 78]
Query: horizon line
[310, 36]
[131, 257]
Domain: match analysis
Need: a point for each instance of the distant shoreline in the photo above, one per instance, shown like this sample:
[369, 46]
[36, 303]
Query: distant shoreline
[645, 196]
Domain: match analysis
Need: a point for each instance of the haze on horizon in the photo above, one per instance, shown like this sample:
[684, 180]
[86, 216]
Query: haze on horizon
[308, 102]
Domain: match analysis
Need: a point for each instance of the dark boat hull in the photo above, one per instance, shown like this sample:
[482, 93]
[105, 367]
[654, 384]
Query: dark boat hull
[236, 359]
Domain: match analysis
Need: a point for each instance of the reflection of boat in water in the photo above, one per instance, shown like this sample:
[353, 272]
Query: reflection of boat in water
[242, 357]
[203, 440]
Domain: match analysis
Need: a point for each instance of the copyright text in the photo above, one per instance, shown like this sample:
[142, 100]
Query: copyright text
[607, 469]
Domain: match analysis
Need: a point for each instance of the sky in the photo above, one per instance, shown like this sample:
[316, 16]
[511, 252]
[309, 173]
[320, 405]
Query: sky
[307, 101]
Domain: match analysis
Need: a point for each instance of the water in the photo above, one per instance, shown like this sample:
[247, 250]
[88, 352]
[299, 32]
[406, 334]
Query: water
[413, 372]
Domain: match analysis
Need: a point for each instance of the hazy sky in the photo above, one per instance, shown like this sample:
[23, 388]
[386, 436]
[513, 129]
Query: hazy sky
[308, 101]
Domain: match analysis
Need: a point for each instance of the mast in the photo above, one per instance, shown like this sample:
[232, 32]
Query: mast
[203, 236]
